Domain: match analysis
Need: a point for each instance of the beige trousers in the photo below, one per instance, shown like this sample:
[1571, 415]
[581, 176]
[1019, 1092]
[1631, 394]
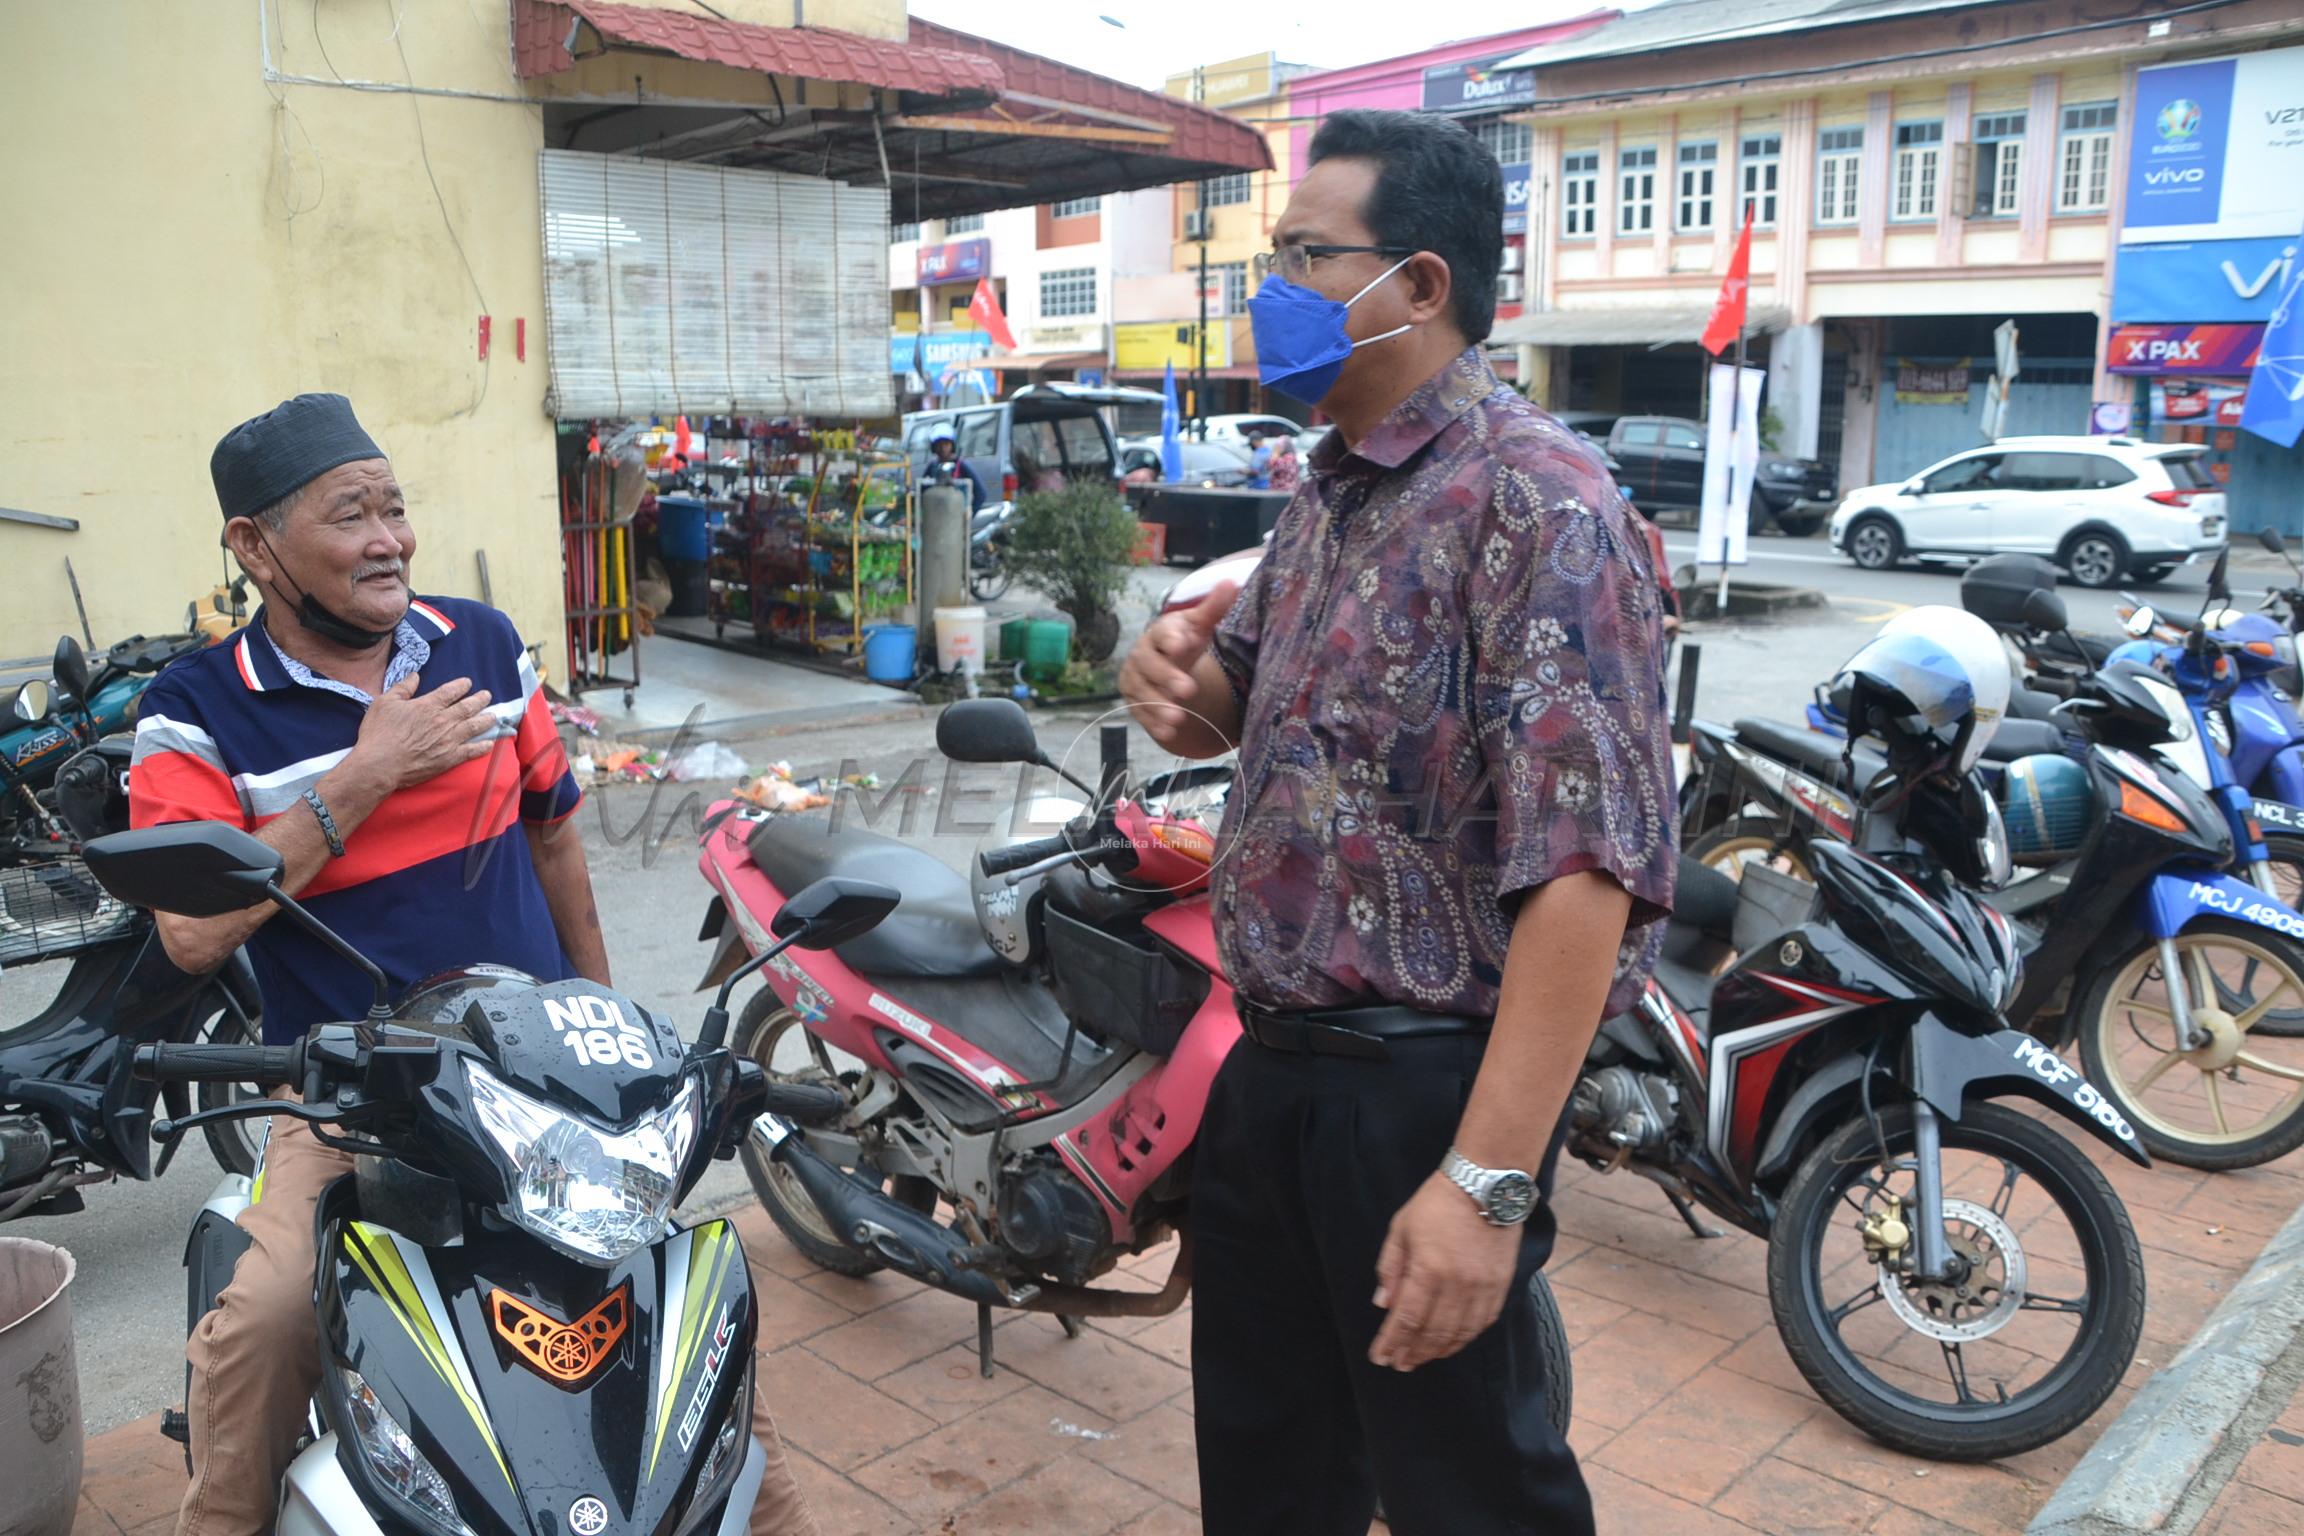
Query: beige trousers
[256, 1362]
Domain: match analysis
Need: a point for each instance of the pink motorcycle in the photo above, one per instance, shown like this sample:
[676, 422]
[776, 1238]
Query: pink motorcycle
[1008, 1072]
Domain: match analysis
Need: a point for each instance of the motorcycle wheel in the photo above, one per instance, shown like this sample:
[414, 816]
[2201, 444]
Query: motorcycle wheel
[1905, 1375]
[988, 581]
[235, 1144]
[2233, 1103]
[2284, 854]
[1742, 840]
[762, 1031]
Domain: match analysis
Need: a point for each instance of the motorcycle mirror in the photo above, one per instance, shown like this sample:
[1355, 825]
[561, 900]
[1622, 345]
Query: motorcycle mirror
[834, 910]
[2044, 611]
[191, 868]
[72, 668]
[32, 701]
[987, 731]
[208, 869]
[2271, 540]
[2139, 623]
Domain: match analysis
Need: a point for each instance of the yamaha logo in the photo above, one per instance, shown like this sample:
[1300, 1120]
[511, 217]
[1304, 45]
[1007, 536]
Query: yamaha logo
[587, 1517]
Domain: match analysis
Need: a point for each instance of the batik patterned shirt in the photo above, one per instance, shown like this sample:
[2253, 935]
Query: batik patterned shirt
[1450, 664]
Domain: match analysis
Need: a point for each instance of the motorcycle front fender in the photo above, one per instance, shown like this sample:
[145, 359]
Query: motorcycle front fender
[2283, 780]
[2171, 902]
[1949, 1068]
[729, 952]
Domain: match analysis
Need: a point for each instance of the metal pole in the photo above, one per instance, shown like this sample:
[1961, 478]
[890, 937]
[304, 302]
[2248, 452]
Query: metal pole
[1200, 332]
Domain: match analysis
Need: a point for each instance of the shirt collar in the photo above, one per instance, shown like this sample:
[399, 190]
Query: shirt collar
[266, 666]
[1430, 407]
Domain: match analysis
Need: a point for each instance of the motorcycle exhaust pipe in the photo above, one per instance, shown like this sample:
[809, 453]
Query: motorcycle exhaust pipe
[871, 1221]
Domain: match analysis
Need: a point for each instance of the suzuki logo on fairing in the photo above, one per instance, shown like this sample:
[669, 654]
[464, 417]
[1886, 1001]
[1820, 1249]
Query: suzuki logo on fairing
[2053, 1070]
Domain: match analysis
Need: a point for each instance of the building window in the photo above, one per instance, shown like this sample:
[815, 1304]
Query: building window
[1919, 157]
[1219, 191]
[1839, 153]
[1636, 191]
[1999, 165]
[899, 233]
[1076, 208]
[1758, 165]
[1067, 293]
[964, 224]
[2084, 180]
[1579, 194]
[1509, 142]
[1699, 163]
[1234, 276]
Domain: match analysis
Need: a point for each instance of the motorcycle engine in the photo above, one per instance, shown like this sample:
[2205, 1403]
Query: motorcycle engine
[1624, 1109]
[1049, 1219]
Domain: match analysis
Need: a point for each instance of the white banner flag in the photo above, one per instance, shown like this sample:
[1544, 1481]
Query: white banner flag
[1731, 458]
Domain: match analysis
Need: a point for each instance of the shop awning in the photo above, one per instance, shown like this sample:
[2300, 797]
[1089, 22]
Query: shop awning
[952, 124]
[1628, 325]
[542, 30]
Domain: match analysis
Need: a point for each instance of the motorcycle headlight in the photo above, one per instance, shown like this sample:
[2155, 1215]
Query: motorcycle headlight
[595, 1195]
[394, 1461]
[1992, 852]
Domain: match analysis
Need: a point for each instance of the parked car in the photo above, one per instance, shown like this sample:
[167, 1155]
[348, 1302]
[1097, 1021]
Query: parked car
[1210, 464]
[2104, 508]
[1660, 463]
[1058, 429]
[1234, 429]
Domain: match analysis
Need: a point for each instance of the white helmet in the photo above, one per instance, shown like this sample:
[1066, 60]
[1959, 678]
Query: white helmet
[1937, 675]
[1009, 914]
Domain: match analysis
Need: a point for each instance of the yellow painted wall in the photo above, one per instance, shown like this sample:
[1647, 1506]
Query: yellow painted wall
[867, 18]
[205, 246]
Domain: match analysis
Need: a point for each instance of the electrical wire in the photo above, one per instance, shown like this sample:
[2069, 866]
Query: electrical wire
[424, 150]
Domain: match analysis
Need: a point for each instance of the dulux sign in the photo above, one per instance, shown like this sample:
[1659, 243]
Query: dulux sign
[2229, 281]
[1476, 85]
[2216, 150]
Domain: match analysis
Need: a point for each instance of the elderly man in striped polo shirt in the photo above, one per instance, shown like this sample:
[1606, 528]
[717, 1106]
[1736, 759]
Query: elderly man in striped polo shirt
[398, 753]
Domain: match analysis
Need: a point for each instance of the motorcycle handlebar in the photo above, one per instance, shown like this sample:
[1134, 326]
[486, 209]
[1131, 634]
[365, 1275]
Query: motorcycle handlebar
[2061, 687]
[999, 861]
[266, 1065]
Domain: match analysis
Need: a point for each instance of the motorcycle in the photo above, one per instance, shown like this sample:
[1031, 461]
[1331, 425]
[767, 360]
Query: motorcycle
[988, 573]
[2137, 942]
[1051, 1104]
[72, 1112]
[57, 717]
[515, 1335]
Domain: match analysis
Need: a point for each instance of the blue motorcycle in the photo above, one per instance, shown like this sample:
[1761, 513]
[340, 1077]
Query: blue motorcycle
[51, 719]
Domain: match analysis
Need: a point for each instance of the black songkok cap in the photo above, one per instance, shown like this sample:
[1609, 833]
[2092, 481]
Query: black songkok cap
[266, 458]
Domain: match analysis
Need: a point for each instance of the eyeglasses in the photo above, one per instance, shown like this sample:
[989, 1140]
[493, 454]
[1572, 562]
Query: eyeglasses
[1294, 262]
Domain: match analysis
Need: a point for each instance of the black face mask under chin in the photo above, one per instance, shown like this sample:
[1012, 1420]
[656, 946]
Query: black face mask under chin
[319, 620]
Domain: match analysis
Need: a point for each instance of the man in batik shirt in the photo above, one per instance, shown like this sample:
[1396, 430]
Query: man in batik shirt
[1446, 859]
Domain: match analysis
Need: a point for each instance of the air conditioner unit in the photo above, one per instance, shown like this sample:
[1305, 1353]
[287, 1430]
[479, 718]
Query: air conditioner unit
[1508, 287]
[1196, 224]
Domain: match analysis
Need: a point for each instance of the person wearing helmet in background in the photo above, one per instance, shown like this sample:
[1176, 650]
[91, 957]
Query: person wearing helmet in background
[946, 467]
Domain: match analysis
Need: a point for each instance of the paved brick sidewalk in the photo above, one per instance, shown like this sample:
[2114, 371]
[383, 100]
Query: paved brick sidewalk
[1689, 1415]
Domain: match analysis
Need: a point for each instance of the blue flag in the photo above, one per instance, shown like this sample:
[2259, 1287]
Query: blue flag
[1171, 430]
[2275, 408]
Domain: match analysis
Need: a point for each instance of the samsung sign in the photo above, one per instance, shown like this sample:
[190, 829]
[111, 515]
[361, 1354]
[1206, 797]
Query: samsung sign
[2216, 150]
[1477, 86]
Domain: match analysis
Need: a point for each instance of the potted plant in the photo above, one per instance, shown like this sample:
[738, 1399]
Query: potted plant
[1075, 545]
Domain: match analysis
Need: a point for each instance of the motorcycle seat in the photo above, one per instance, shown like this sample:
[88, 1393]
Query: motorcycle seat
[932, 933]
[1009, 1017]
[2022, 738]
[1812, 752]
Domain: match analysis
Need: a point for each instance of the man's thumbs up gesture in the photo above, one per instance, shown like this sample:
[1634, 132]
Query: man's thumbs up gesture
[1173, 684]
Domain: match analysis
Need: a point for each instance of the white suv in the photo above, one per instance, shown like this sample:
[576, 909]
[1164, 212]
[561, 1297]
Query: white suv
[2104, 508]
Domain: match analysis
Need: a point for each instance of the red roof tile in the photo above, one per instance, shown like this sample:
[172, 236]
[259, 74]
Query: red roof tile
[540, 34]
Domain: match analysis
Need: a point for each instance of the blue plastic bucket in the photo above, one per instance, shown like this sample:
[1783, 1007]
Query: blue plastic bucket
[889, 650]
[684, 527]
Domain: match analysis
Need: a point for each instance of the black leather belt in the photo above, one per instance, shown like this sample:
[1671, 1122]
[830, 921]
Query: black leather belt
[1360, 1032]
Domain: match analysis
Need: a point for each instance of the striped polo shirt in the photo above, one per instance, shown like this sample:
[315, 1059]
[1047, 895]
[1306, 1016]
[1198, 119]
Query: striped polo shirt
[439, 876]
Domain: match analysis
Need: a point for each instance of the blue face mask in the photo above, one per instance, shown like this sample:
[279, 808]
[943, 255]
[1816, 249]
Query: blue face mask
[1301, 343]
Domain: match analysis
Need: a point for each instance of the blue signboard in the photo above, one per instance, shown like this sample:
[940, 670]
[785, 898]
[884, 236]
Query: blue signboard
[1515, 199]
[2201, 280]
[938, 351]
[955, 261]
[2176, 148]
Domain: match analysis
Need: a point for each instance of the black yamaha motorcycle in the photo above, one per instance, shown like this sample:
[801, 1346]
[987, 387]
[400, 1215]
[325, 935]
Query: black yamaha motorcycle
[516, 1336]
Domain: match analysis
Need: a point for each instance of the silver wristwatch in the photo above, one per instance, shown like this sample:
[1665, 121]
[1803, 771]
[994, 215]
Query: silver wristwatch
[1505, 1196]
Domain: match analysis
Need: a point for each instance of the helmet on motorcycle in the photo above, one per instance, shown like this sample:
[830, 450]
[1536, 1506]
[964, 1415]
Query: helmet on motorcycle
[1933, 684]
[1009, 914]
[437, 1004]
[940, 435]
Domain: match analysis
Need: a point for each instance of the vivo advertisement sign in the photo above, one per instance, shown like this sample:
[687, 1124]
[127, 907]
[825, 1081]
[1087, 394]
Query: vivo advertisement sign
[2216, 150]
[2232, 281]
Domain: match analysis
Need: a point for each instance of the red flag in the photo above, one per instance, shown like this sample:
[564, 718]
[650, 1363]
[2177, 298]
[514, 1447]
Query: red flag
[682, 438]
[984, 309]
[1728, 310]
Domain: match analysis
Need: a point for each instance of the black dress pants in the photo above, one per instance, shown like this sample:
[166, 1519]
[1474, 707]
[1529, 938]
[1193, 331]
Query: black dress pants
[1300, 1165]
